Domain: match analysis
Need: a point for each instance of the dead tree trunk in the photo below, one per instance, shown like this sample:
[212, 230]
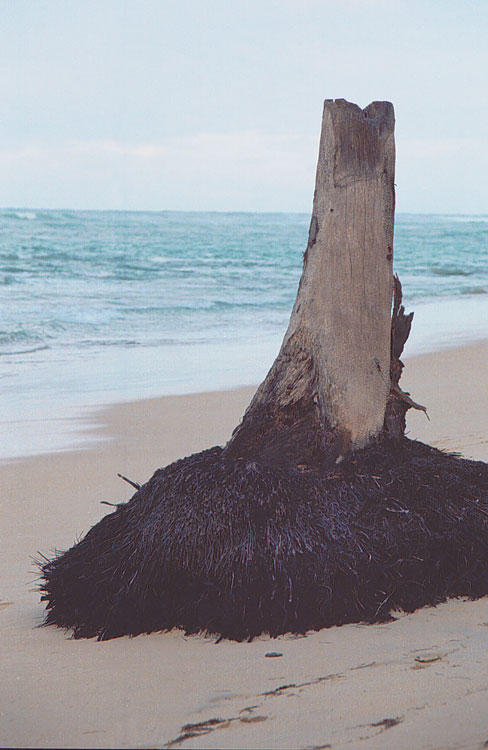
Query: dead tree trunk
[327, 391]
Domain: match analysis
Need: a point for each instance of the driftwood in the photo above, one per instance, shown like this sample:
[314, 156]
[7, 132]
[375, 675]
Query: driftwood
[318, 511]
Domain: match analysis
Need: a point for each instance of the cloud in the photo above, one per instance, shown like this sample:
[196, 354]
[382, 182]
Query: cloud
[442, 175]
[22, 154]
[438, 147]
[336, 4]
[246, 170]
[256, 153]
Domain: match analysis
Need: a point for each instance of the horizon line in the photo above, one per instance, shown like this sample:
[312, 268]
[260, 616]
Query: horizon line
[217, 211]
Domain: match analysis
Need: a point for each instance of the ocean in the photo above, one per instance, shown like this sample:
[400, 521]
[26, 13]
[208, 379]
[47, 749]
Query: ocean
[99, 307]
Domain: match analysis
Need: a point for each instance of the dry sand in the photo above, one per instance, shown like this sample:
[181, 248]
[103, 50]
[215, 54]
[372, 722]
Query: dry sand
[420, 682]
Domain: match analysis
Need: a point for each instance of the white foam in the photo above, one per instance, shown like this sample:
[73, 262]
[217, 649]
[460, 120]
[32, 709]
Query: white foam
[28, 215]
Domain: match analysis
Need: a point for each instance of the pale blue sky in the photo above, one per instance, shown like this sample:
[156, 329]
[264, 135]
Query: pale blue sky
[216, 105]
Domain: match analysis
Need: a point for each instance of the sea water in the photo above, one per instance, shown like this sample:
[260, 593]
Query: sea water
[106, 306]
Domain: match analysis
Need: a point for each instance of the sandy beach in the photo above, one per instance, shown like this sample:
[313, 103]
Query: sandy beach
[418, 682]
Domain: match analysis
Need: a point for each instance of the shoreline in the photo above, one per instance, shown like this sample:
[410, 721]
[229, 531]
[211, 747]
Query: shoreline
[445, 428]
[94, 424]
[416, 682]
[50, 395]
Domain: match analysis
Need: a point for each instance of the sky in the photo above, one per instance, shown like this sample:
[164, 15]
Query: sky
[217, 104]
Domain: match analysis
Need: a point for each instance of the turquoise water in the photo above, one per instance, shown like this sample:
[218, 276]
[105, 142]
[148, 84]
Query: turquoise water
[100, 307]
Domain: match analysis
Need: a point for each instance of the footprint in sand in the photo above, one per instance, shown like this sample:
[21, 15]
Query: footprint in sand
[421, 662]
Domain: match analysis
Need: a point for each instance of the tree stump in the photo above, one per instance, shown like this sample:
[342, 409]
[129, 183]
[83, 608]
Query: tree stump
[327, 391]
[318, 511]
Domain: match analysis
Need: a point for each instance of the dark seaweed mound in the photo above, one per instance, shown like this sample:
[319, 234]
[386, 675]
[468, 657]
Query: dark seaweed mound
[229, 546]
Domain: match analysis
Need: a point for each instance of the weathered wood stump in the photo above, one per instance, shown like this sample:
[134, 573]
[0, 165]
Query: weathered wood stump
[327, 391]
[318, 511]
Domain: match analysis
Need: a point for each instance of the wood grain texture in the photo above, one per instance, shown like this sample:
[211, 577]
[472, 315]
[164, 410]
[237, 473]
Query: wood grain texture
[327, 391]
